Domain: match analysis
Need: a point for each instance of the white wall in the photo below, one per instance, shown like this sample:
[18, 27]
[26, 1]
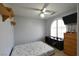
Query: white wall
[6, 38]
[78, 31]
[28, 30]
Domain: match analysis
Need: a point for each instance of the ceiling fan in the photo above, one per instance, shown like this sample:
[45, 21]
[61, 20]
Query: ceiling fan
[42, 11]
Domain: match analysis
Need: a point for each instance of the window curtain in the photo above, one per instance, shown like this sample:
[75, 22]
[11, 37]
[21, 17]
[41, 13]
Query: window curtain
[58, 28]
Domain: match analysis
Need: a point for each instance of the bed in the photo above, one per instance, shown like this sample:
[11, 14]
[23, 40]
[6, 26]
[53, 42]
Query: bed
[38, 48]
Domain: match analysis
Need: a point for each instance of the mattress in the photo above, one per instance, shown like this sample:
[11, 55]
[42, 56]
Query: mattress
[38, 48]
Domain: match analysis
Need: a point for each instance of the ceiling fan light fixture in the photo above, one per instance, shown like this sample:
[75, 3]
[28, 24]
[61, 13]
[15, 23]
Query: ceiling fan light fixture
[42, 15]
[44, 10]
[46, 13]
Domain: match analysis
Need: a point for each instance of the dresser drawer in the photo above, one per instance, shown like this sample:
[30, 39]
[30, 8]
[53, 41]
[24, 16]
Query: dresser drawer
[70, 52]
[70, 35]
[70, 38]
[71, 42]
[71, 47]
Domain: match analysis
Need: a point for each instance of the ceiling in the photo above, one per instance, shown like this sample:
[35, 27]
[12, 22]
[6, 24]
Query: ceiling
[20, 9]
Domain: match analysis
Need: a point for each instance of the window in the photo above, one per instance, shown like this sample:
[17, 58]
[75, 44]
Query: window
[58, 28]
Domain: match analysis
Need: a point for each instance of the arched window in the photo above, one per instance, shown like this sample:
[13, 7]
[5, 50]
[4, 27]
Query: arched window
[58, 28]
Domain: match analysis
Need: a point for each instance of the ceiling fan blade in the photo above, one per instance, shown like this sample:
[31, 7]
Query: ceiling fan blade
[45, 5]
[53, 13]
[50, 11]
[30, 8]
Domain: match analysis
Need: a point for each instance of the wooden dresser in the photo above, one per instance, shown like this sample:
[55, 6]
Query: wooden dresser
[70, 43]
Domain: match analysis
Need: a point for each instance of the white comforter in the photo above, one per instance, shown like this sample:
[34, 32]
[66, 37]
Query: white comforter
[33, 49]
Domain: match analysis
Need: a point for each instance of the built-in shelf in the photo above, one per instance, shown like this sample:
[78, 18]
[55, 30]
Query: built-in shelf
[6, 12]
[13, 22]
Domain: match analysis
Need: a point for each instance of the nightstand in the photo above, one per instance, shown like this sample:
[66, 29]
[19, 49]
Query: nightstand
[54, 43]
